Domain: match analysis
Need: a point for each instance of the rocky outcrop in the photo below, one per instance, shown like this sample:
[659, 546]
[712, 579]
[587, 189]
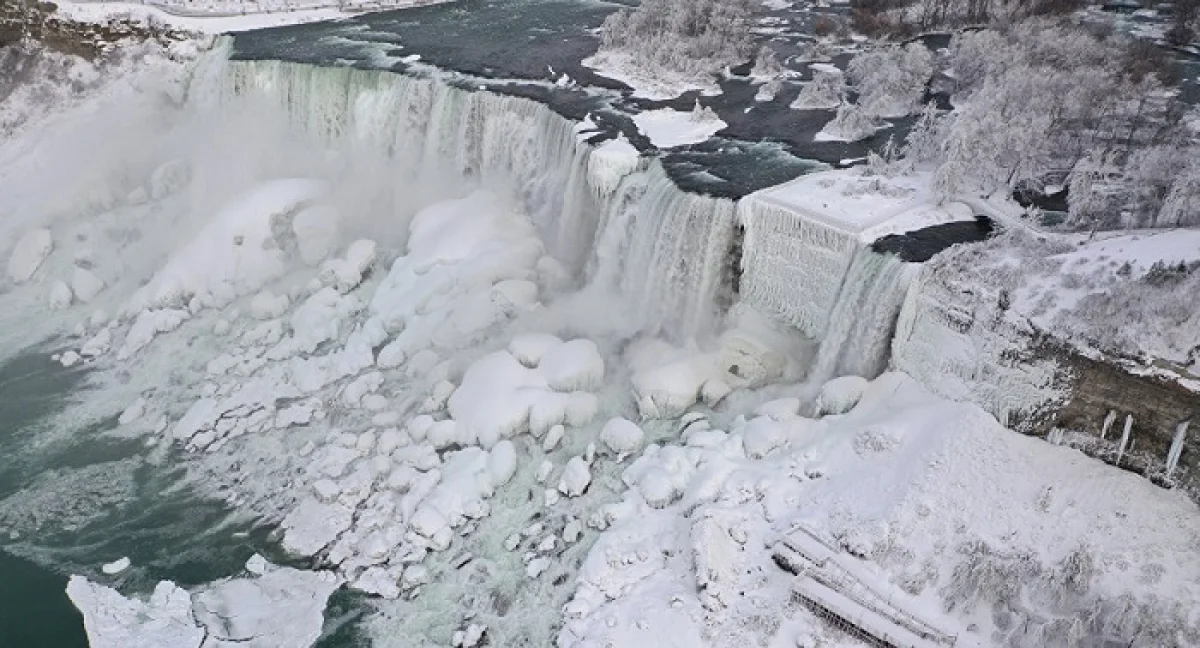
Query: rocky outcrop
[40, 21]
[1104, 390]
[959, 339]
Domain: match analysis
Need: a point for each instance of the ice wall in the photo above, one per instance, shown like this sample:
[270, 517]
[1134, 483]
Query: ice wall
[622, 228]
[960, 345]
[825, 282]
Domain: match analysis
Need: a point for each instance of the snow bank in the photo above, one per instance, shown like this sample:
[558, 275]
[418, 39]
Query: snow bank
[234, 253]
[882, 488]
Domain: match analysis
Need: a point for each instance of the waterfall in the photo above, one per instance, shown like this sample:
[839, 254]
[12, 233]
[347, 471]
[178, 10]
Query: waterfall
[1176, 447]
[1124, 438]
[862, 323]
[624, 231]
[825, 282]
[619, 229]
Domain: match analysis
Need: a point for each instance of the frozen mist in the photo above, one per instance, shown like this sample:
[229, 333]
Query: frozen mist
[481, 371]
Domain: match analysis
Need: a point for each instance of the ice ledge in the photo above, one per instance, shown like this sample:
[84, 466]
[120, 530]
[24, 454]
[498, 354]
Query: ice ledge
[276, 607]
[864, 206]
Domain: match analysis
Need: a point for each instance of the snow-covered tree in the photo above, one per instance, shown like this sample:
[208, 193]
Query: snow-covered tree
[825, 91]
[927, 137]
[686, 36]
[767, 65]
[851, 124]
[891, 80]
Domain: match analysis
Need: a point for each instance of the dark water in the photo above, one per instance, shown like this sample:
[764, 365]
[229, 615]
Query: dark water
[511, 44]
[921, 245]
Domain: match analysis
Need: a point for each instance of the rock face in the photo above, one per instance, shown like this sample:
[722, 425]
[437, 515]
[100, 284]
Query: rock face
[40, 22]
[1157, 406]
[960, 343]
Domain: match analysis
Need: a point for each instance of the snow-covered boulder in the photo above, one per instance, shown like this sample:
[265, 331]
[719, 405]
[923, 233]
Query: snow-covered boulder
[622, 436]
[840, 395]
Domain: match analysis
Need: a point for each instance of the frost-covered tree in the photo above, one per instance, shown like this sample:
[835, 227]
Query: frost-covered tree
[826, 90]
[926, 137]
[851, 124]
[686, 36]
[767, 65]
[891, 80]
[1181, 207]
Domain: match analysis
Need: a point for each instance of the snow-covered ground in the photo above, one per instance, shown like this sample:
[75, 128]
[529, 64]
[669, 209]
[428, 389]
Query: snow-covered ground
[866, 204]
[226, 16]
[478, 373]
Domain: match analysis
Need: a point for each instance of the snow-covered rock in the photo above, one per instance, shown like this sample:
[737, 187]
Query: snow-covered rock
[622, 436]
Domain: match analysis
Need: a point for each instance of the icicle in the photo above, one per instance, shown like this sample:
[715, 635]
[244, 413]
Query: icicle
[1176, 447]
[1124, 438]
[1108, 421]
[1055, 436]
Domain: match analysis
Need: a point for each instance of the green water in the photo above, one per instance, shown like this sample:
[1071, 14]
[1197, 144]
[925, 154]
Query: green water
[70, 502]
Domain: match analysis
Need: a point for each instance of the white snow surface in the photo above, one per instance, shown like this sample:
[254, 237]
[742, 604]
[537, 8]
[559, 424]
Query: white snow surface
[668, 128]
[866, 206]
[278, 607]
[226, 16]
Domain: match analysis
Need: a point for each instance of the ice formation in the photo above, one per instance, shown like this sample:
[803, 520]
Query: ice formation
[278, 607]
[466, 361]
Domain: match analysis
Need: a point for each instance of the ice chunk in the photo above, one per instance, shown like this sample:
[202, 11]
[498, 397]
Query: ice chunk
[69, 359]
[148, 325]
[574, 365]
[283, 608]
[267, 305]
[575, 478]
[113, 621]
[622, 436]
[99, 344]
[85, 284]
[132, 413]
[116, 566]
[313, 525]
[29, 253]
[60, 295]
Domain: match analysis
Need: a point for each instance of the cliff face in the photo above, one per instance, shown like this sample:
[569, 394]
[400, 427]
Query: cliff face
[961, 341]
[40, 22]
[1156, 408]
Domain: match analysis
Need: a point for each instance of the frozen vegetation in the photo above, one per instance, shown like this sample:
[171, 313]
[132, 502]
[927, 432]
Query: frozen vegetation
[475, 369]
[664, 47]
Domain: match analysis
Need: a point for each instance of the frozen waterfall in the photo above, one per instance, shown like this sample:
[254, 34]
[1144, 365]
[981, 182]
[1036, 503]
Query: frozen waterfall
[619, 229]
[627, 231]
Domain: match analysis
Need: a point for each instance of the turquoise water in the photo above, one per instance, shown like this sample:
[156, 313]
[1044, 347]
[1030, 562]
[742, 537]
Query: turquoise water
[70, 502]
